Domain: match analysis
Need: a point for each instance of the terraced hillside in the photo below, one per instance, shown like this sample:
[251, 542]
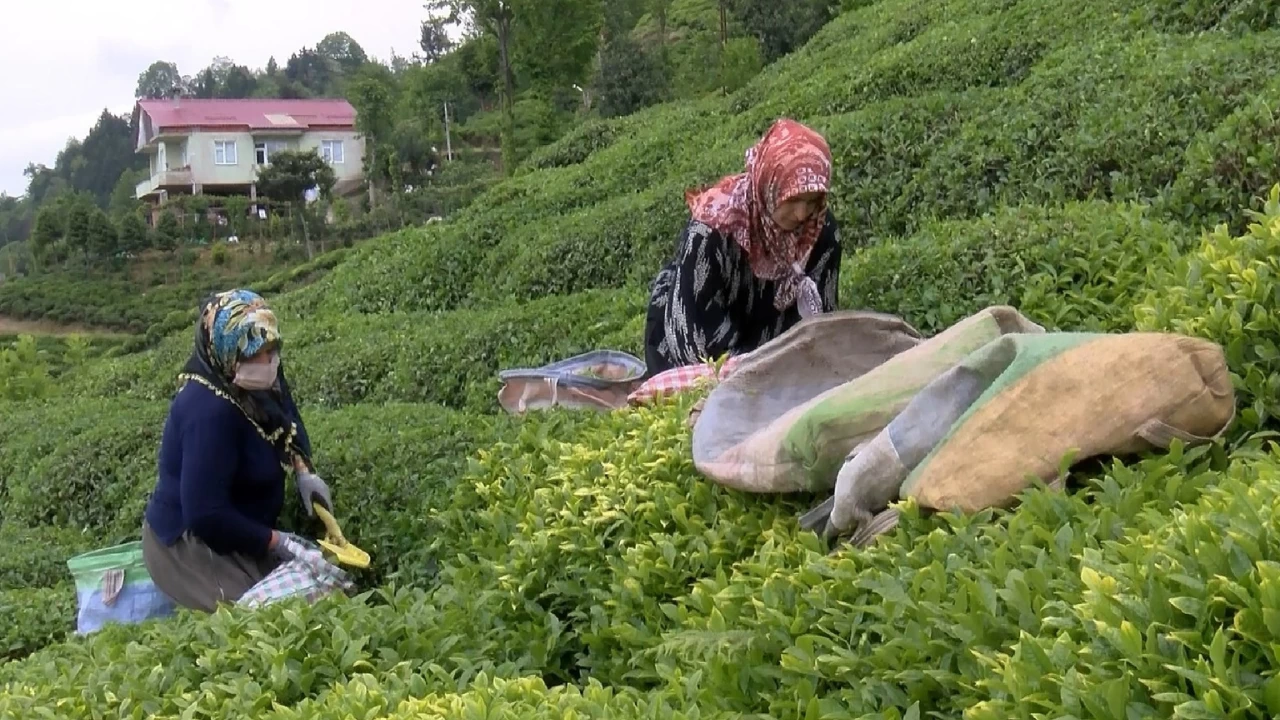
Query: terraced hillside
[1062, 158]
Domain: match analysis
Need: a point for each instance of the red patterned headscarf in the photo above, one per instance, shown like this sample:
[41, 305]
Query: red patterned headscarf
[791, 159]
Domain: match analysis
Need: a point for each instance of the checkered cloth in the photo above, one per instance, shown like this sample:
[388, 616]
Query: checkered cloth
[304, 573]
[681, 379]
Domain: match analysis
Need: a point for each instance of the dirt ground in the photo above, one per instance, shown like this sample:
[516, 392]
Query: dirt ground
[10, 326]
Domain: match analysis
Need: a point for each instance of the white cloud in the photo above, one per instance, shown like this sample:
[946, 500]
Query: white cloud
[66, 60]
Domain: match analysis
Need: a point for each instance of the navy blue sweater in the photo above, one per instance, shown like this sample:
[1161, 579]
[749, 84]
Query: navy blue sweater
[218, 477]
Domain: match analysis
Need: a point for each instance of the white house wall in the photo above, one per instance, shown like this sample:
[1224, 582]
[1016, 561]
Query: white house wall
[207, 172]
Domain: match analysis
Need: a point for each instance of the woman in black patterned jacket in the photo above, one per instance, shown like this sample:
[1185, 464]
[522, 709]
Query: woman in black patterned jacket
[761, 251]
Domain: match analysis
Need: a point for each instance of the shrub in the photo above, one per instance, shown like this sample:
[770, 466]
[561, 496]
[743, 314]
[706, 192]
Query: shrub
[24, 371]
[1238, 16]
[1226, 291]
[37, 557]
[34, 617]
[1237, 160]
[1077, 268]
[218, 255]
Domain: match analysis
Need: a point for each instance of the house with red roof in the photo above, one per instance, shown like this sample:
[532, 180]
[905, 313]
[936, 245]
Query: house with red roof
[216, 147]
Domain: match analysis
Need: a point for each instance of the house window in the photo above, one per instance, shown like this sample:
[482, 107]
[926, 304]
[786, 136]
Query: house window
[224, 152]
[263, 151]
[331, 151]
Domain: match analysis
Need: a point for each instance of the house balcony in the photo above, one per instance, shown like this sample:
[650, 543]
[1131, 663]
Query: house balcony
[168, 180]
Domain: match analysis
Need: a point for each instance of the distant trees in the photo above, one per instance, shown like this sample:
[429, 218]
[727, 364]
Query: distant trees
[508, 76]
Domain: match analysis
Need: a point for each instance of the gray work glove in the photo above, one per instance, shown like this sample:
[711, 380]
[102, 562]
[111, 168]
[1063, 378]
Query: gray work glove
[313, 489]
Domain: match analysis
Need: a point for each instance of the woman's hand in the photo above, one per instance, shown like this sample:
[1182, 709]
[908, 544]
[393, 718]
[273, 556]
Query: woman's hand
[313, 489]
[294, 548]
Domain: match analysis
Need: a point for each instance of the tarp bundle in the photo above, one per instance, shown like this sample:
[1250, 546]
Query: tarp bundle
[1008, 414]
[599, 380]
[794, 409]
[964, 420]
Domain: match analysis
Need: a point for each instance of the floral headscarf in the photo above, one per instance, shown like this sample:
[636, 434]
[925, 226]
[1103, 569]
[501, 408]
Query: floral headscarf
[233, 325]
[790, 160]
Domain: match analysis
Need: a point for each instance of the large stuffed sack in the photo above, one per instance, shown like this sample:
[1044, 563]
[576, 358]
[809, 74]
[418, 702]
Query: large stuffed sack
[1009, 414]
[793, 410]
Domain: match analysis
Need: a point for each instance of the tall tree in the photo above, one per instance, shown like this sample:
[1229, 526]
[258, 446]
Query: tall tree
[132, 231]
[123, 198]
[239, 83]
[43, 184]
[372, 96]
[630, 78]
[660, 9]
[556, 41]
[79, 228]
[343, 51]
[290, 177]
[782, 27]
[310, 72]
[621, 16]
[104, 240]
[206, 85]
[161, 80]
[49, 227]
[495, 17]
[434, 40]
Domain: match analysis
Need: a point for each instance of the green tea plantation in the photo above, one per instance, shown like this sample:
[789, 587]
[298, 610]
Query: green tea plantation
[1099, 165]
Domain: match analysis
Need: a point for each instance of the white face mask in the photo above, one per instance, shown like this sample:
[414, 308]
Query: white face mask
[258, 376]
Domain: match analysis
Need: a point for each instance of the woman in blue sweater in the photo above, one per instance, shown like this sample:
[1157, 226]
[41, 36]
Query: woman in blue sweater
[232, 434]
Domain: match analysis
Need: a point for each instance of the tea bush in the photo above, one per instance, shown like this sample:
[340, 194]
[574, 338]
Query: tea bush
[1238, 159]
[1227, 291]
[34, 617]
[1079, 267]
[940, 617]
[37, 557]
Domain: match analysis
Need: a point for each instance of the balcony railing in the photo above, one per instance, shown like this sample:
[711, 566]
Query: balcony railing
[164, 180]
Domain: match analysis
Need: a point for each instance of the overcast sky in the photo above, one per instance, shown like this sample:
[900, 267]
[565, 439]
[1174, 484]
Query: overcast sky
[66, 60]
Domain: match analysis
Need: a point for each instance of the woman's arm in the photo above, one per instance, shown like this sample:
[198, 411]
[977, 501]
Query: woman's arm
[697, 317]
[210, 454]
[824, 264]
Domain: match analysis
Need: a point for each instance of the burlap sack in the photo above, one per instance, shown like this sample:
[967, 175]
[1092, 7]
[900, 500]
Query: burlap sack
[792, 411]
[1011, 412]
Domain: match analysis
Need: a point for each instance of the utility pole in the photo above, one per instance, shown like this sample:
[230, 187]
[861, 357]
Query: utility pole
[448, 142]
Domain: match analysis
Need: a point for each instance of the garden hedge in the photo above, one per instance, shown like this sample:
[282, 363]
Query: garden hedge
[1070, 160]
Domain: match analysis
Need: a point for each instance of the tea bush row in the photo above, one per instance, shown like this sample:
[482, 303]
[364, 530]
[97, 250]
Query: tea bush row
[607, 559]
[450, 358]
[117, 302]
[105, 301]
[1083, 267]
[1077, 268]
[37, 557]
